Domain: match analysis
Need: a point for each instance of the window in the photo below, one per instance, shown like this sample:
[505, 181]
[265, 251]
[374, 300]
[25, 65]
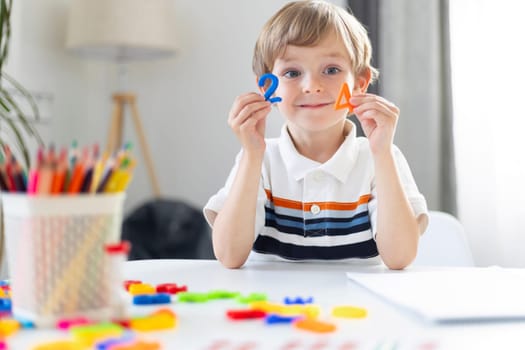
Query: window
[488, 86]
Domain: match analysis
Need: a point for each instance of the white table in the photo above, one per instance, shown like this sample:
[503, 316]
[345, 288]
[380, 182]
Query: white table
[200, 326]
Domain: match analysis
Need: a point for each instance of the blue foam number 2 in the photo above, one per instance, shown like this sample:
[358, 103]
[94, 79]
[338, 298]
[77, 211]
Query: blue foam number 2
[273, 86]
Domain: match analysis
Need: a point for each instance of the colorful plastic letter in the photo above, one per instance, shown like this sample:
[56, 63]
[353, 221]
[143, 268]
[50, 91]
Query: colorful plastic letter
[314, 325]
[346, 311]
[245, 314]
[152, 299]
[171, 288]
[274, 83]
[344, 94]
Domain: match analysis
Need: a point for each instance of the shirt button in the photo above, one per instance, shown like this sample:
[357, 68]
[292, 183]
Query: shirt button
[315, 209]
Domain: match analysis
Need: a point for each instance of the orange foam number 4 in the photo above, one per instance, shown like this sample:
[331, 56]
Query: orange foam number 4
[344, 94]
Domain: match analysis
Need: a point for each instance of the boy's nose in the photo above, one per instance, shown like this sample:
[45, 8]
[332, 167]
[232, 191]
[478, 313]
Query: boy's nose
[312, 85]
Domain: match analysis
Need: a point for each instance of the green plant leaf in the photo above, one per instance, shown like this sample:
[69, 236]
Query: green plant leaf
[5, 29]
[19, 115]
[23, 91]
[20, 142]
[10, 111]
[9, 101]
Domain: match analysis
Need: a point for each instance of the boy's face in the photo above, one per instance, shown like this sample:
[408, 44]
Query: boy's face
[310, 79]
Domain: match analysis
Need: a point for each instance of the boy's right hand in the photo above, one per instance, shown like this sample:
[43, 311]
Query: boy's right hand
[247, 119]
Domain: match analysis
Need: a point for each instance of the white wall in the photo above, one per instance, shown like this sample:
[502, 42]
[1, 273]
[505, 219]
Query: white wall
[184, 101]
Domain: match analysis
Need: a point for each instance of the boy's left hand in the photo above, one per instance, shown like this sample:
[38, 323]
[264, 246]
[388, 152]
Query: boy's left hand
[378, 118]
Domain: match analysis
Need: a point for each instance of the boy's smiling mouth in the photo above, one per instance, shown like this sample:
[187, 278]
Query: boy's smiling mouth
[315, 105]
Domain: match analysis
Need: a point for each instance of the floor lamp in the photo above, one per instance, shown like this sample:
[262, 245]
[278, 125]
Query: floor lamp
[123, 31]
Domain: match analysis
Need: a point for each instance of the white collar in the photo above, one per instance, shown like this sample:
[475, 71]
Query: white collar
[339, 165]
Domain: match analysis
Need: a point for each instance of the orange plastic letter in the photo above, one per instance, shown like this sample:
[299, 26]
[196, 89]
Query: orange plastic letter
[344, 94]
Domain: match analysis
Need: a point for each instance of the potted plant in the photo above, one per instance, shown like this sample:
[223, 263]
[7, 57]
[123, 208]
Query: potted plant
[12, 118]
[15, 127]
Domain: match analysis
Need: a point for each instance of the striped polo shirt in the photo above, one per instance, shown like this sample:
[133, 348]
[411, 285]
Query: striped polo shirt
[308, 210]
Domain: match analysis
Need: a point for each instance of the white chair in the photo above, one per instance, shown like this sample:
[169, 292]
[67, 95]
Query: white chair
[444, 243]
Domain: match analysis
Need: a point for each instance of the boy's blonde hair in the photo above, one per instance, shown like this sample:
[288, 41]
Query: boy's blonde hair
[306, 23]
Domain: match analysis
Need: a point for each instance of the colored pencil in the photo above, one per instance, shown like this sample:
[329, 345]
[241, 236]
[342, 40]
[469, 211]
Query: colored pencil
[67, 172]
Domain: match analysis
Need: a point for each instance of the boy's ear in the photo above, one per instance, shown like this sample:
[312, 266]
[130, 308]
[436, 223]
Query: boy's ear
[362, 82]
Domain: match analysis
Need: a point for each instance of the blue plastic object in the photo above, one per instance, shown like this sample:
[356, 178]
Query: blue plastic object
[298, 300]
[25, 324]
[152, 299]
[274, 83]
[278, 319]
[110, 343]
[5, 305]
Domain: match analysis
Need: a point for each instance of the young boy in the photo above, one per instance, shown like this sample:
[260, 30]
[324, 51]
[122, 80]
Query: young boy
[317, 192]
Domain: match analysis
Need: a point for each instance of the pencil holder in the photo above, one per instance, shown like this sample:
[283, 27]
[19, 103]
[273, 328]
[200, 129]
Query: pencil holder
[55, 252]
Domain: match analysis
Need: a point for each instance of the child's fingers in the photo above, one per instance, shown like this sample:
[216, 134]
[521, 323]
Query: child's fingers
[248, 112]
[377, 108]
[374, 117]
[251, 123]
[251, 132]
[241, 101]
[369, 106]
[365, 99]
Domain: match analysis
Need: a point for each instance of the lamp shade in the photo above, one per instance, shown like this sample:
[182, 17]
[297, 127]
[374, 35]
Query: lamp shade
[121, 30]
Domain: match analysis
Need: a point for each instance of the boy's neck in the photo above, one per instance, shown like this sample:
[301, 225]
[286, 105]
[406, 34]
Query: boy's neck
[320, 146]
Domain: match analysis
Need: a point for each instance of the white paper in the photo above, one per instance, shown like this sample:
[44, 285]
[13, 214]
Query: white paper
[455, 295]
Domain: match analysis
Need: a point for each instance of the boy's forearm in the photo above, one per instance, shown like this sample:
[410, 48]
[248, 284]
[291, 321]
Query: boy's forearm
[233, 229]
[397, 229]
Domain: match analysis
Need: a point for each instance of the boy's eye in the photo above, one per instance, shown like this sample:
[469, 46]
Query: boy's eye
[292, 74]
[332, 70]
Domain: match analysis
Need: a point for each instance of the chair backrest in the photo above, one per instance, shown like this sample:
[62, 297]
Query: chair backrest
[444, 243]
[167, 229]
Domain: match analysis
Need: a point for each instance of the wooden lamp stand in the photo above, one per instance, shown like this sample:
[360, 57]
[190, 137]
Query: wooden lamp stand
[116, 129]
